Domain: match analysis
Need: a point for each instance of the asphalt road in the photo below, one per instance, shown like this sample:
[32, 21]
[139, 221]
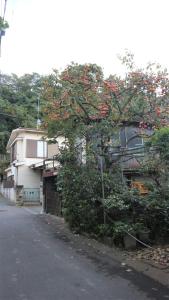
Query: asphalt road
[35, 264]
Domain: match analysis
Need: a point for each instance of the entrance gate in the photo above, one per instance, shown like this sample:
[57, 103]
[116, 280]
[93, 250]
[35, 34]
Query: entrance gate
[52, 198]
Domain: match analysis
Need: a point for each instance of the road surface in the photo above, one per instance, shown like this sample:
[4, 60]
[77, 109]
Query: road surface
[36, 264]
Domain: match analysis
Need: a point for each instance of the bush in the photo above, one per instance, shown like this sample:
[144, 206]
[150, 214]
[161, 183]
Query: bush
[126, 210]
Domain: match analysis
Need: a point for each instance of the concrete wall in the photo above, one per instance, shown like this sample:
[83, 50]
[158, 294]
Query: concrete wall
[8, 193]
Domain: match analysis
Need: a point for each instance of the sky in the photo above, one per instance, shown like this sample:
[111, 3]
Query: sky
[50, 34]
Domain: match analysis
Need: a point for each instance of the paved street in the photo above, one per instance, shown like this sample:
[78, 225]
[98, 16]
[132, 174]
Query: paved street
[35, 264]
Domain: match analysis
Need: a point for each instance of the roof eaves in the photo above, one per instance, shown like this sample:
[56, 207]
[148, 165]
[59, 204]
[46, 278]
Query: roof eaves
[16, 131]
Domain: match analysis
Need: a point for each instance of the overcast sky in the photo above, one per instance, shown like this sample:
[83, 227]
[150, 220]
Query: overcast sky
[47, 34]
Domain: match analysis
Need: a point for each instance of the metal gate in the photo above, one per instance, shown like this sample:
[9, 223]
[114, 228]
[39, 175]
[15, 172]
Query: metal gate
[31, 195]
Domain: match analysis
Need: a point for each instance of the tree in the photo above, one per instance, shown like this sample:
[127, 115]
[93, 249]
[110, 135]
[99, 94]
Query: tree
[82, 104]
[18, 103]
[3, 26]
[80, 94]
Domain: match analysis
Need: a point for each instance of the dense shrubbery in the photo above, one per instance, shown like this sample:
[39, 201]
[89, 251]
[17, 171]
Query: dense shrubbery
[126, 210]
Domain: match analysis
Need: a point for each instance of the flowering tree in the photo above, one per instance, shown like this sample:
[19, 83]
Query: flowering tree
[80, 94]
[81, 103]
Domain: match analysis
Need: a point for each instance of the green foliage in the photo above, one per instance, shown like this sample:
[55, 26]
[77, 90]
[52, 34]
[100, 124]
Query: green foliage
[81, 192]
[160, 140]
[3, 24]
[18, 103]
[126, 210]
[156, 213]
[4, 164]
[115, 201]
[121, 228]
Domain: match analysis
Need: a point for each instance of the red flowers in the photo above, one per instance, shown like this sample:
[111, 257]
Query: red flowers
[103, 109]
[111, 86]
[158, 111]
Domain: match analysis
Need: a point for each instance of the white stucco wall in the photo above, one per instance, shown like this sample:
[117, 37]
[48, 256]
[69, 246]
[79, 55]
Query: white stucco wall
[23, 175]
[20, 153]
[28, 177]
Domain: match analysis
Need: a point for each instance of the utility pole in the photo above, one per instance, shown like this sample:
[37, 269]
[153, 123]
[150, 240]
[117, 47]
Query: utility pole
[103, 193]
[102, 178]
[38, 114]
[3, 25]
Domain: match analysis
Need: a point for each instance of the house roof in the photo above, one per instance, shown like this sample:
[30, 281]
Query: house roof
[17, 131]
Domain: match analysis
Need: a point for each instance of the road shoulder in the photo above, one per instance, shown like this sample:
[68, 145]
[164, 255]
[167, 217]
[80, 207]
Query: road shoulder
[92, 248]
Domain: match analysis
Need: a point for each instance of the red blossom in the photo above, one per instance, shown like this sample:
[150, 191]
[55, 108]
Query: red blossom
[111, 86]
[158, 111]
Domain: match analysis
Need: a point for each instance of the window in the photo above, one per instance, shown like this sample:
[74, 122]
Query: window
[133, 137]
[36, 149]
[13, 151]
[130, 137]
[41, 149]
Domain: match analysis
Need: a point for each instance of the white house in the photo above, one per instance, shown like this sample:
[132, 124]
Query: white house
[27, 147]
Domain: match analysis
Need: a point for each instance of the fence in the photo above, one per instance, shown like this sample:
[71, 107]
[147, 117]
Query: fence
[32, 195]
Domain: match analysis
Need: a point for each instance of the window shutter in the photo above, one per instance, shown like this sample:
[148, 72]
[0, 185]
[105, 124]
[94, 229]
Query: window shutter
[31, 149]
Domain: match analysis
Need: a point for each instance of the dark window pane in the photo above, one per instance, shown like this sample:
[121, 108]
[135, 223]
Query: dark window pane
[133, 138]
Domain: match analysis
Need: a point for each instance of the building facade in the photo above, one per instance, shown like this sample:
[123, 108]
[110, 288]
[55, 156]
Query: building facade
[26, 146]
